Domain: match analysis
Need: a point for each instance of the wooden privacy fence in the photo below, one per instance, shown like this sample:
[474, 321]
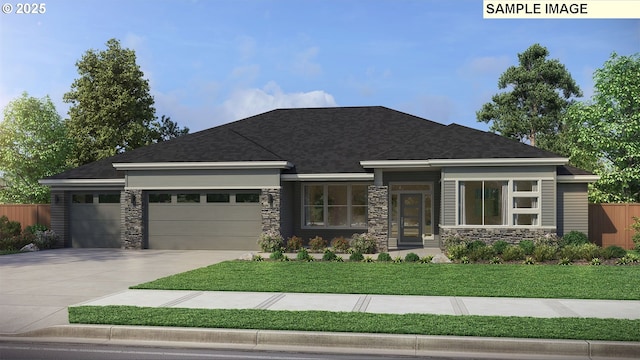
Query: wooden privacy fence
[27, 214]
[610, 224]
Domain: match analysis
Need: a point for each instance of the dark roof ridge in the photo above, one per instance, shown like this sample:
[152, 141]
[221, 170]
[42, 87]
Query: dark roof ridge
[256, 143]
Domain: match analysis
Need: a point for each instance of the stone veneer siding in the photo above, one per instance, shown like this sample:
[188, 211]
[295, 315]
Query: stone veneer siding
[378, 215]
[270, 213]
[131, 223]
[491, 235]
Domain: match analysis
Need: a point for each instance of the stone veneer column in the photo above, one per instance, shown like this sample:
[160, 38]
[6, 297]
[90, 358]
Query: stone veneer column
[131, 227]
[378, 215]
[270, 201]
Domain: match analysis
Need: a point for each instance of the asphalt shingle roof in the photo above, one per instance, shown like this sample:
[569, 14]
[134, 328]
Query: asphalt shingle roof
[321, 140]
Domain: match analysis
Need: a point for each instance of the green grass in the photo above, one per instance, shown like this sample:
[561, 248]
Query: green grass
[519, 327]
[9, 252]
[527, 281]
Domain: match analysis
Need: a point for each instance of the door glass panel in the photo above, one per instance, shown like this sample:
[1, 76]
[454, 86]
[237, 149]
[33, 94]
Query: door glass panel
[394, 215]
[188, 198]
[82, 198]
[413, 232]
[428, 230]
[411, 217]
[159, 198]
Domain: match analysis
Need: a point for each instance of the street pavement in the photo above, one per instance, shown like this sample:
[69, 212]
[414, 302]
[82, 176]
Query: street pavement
[37, 288]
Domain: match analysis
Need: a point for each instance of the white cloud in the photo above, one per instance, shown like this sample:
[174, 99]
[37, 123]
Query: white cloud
[305, 64]
[247, 102]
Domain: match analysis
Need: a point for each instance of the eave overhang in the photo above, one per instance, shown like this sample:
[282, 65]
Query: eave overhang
[235, 165]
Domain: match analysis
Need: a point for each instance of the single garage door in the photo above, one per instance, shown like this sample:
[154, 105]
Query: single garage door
[204, 220]
[95, 220]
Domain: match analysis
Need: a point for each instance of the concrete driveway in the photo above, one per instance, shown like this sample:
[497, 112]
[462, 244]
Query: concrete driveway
[36, 288]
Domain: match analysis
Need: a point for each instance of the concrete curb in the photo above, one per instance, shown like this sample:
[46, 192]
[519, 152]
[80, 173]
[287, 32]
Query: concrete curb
[419, 345]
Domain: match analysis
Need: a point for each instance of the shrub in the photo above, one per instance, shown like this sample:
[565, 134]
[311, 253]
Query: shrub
[495, 260]
[636, 237]
[455, 252]
[589, 251]
[464, 260]
[46, 239]
[571, 252]
[367, 259]
[338, 259]
[356, 256]
[317, 244]
[270, 241]
[426, 259]
[527, 246]
[397, 260]
[544, 252]
[596, 261]
[613, 251]
[329, 255]
[35, 228]
[481, 253]
[16, 242]
[340, 244]
[257, 258]
[513, 253]
[564, 261]
[364, 243]
[294, 243]
[529, 261]
[499, 246]
[411, 257]
[574, 238]
[384, 257]
[452, 240]
[9, 229]
[303, 255]
[624, 261]
[276, 255]
[547, 239]
[284, 258]
[477, 244]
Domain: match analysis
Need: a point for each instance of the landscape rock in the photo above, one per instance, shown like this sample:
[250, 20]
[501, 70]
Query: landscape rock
[440, 259]
[29, 248]
[247, 256]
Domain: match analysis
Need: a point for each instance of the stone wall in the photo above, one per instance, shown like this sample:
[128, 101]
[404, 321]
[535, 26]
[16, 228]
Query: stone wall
[491, 235]
[131, 222]
[378, 215]
[270, 213]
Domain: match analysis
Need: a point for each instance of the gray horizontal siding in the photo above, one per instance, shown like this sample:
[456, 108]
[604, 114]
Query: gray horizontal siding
[204, 179]
[573, 208]
[449, 203]
[548, 203]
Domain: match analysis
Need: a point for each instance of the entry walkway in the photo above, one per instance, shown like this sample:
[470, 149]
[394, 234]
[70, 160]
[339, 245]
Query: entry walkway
[385, 304]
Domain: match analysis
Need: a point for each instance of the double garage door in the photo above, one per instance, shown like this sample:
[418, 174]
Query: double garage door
[203, 220]
[228, 220]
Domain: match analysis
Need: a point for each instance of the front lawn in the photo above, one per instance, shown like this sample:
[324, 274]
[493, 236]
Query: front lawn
[504, 280]
[424, 324]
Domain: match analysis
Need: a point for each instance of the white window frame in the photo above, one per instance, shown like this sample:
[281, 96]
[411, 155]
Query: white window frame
[325, 185]
[424, 207]
[511, 209]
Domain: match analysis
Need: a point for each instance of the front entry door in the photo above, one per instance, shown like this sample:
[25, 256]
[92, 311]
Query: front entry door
[410, 219]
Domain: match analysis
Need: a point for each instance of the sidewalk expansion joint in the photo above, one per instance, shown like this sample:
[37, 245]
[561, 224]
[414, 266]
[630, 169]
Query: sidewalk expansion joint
[181, 299]
[560, 308]
[458, 306]
[362, 304]
[270, 301]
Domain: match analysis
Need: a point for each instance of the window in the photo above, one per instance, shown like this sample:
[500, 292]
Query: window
[335, 205]
[82, 198]
[160, 198]
[109, 198]
[217, 198]
[247, 198]
[188, 198]
[483, 203]
[515, 202]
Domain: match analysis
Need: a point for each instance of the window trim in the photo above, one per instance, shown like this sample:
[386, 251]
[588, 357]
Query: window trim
[325, 206]
[511, 209]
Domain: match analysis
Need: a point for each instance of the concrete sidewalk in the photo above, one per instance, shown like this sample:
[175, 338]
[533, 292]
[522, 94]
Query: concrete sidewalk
[384, 304]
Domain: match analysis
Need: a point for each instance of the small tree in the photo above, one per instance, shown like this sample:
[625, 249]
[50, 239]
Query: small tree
[33, 144]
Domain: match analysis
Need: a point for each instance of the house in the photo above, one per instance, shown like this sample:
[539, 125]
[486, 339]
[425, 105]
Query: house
[324, 172]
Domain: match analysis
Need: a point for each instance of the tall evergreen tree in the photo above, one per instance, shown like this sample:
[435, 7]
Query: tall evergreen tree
[538, 92]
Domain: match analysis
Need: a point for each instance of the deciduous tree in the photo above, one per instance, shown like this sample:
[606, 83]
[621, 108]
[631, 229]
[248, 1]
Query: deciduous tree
[605, 132]
[33, 144]
[538, 92]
